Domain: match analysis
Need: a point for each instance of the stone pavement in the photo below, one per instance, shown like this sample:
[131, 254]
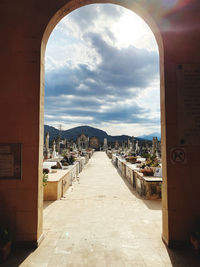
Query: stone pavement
[102, 221]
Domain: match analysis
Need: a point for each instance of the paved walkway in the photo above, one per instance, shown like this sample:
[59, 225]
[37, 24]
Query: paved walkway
[101, 221]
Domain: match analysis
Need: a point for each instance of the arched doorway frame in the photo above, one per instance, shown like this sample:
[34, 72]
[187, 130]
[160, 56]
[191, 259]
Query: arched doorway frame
[145, 15]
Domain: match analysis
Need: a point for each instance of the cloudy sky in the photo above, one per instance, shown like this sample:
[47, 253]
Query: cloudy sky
[102, 70]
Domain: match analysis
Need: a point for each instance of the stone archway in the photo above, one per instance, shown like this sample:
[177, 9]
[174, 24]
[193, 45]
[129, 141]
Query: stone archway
[26, 28]
[135, 7]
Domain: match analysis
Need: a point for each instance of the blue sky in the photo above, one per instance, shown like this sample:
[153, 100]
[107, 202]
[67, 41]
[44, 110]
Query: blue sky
[102, 70]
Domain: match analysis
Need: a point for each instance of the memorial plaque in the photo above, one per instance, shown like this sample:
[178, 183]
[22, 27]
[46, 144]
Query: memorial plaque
[10, 161]
[158, 172]
[188, 81]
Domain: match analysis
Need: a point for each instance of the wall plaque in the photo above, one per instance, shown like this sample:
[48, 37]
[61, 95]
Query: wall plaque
[10, 161]
[188, 81]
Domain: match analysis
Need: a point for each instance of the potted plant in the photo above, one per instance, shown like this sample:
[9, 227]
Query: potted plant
[195, 240]
[147, 172]
[45, 176]
[5, 242]
[131, 159]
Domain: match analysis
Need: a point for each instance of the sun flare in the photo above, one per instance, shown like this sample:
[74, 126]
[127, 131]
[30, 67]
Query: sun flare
[132, 30]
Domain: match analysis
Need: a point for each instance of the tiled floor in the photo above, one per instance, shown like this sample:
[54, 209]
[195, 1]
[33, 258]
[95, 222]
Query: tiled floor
[102, 222]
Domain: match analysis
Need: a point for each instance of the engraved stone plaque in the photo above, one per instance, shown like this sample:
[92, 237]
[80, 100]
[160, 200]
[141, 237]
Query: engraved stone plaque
[10, 161]
[188, 81]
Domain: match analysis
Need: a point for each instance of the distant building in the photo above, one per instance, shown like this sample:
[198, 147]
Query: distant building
[83, 141]
[95, 143]
[116, 144]
[129, 144]
[133, 144]
[46, 151]
[105, 144]
[54, 154]
[154, 145]
[137, 148]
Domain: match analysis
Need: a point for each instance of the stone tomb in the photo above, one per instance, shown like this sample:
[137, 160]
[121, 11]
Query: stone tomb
[146, 187]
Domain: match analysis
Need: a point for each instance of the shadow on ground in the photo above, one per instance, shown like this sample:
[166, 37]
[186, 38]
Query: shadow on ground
[183, 257]
[178, 257]
[17, 257]
[47, 203]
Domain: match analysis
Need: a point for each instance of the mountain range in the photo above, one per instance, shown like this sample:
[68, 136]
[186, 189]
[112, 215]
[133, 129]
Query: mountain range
[73, 133]
[150, 136]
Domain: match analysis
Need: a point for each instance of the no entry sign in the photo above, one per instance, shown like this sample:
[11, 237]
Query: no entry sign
[178, 155]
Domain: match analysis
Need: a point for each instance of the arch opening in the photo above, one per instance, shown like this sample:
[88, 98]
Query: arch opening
[156, 32]
[26, 28]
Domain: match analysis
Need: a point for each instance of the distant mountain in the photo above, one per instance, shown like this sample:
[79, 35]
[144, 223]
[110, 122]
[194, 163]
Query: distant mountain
[53, 132]
[150, 136]
[73, 133]
[90, 131]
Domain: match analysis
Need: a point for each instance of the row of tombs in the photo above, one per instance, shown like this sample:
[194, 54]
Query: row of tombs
[59, 180]
[148, 187]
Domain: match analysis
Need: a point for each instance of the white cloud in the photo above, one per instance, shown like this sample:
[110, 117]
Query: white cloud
[102, 70]
[76, 118]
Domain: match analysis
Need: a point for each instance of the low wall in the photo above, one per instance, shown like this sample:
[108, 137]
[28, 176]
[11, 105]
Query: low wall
[81, 162]
[61, 180]
[148, 187]
[109, 153]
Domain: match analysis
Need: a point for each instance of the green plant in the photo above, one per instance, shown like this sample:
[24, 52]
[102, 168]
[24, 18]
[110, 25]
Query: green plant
[153, 157]
[155, 164]
[5, 235]
[143, 166]
[149, 163]
[71, 159]
[65, 154]
[145, 155]
[45, 178]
